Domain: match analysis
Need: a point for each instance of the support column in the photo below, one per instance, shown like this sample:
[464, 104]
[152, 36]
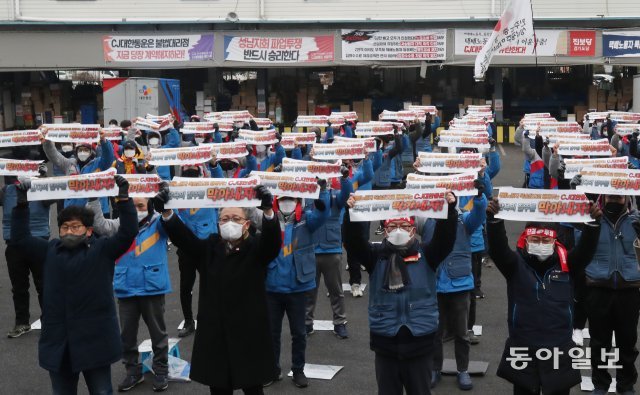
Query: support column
[498, 104]
[262, 92]
[636, 93]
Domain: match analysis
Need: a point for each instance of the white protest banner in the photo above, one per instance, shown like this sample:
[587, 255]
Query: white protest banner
[426, 109]
[374, 128]
[18, 138]
[565, 138]
[143, 185]
[402, 115]
[625, 129]
[72, 133]
[243, 116]
[157, 48]
[151, 126]
[212, 192]
[573, 166]
[624, 117]
[258, 137]
[291, 140]
[369, 142]
[543, 205]
[479, 108]
[180, 156]
[231, 150]
[113, 133]
[460, 184]
[398, 203]
[537, 115]
[467, 128]
[159, 118]
[71, 187]
[514, 29]
[338, 151]
[432, 162]
[469, 121]
[396, 45]
[596, 116]
[291, 49]
[15, 167]
[549, 43]
[263, 123]
[456, 139]
[348, 115]
[334, 119]
[559, 127]
[532, 124]
[305, 121]
[289, 184]
[591, 148]
[610, 181]
[322, 170]
[198, 127]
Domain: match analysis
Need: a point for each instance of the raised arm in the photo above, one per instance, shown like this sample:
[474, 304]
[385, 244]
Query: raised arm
[180, 234]
[120, 242]
[357, 245]
[107, 157]
[318, 213]
[56, 157]
[397, 146]
[103, 227]
[270, 240]
[346, 189]
[582, 253]
[503, 256]
[444, 237]
[476, 217]
[21, 234]
[494, 165]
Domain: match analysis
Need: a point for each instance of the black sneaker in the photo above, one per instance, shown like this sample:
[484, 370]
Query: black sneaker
[473, 339]
[309, 329]
[341, 331]
[18, 331]
[277, 378]
[130, 382]
[160, 382]
[300, 380]
[188, 328]
[478, 294]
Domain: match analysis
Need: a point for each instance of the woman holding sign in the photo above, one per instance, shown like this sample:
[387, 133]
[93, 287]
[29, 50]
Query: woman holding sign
[539, 276]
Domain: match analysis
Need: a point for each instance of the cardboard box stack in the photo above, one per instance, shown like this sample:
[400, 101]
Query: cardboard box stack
[602, 101]
[246, 98]
[593, 97]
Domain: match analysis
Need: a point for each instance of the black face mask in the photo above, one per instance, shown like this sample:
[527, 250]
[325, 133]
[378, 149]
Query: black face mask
[613, 211]
[191, 173]
[227, 165]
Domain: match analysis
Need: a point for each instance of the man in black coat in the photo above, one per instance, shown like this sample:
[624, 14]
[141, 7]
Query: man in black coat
[80, 330]
[232, 348]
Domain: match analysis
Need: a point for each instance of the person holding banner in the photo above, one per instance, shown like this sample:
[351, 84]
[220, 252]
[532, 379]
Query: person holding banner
[261, 159]
[390, 149]
[328, 250]
[232, 347]
[539, 277]
[79, 323]
[403, 311]
[132, 160]
[84, 161]
[18, 262]
[533, 156]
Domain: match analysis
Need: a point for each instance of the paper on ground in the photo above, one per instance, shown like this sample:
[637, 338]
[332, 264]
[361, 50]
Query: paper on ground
[179, 369]
[37, 325]
[322, 325]
[182, 324]
[477, 330]
[322, 372]
[347, 287]
[587, 384]
[145, 346]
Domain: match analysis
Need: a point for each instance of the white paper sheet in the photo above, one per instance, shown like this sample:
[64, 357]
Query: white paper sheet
[321, 372]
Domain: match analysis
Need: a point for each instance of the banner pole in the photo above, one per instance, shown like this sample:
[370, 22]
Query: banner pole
[535, 50]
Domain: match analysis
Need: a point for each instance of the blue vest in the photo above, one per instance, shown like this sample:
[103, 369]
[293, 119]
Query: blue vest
[201, 222]
[328, 237]
[382, 175]
[539, 315]
[423, 144]
[397, 171]
[454, 273]
[294, 270]
[407, 150]
[415, 306]
[38, 215]
[615, 252]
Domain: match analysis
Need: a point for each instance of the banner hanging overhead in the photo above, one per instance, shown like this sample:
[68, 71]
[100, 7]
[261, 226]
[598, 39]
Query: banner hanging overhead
[623, 43]
[278, 49]
[550, 43]
[172, 48]
[394, 44]
[582, 43]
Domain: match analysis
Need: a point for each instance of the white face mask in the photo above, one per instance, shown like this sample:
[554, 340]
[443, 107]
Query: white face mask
[129, 153]
[261, 149]
[287, 206]
[83, 156]
[398, 237]
[142, 215]
[154, 142]
[541, 251]
[66, 148]
[199, 140]
[231, 231]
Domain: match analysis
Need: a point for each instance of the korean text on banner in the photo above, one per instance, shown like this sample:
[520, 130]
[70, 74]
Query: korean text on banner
[212, 192]
[394, 44]
[233, 150]
[471, 41]
[312, 120]
[258, 137]
[622, 43]
[543, 205]
[431, 162]
[460, 184]
[291, 140]
[70, 187]
[313, 169]
[230, 116]
[19, 138]
[15, 167]
[610, 181]
[180, 156]
[198, 127]
[338, 151]
[278, 49]
[625, 129]
[591, 148]
[347, 115]
[369, 142]
[112, 133]
[515, 27]
[72, 133]
[166, 48]
[457, 139]
[573, 166]
[374, 128]
[143, 185]
[582, 43]
[397, 203]
[289, 184]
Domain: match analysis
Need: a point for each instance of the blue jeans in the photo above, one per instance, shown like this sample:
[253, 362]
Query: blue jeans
[294, 305]
[66, 382]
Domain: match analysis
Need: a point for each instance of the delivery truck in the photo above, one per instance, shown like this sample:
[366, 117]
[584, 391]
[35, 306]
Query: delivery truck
[128, 98]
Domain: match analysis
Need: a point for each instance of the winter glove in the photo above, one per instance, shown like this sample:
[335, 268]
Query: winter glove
[322, 183]
[279, 137]
[42, 170]
[575, 181]
[266, 198]
[123, 187]
[492, 144]
[24, 184]
[436, 140]
[561, 169]
[161, 198]
[278, 169]
[344, 170]
[479, 185]
[216, 128]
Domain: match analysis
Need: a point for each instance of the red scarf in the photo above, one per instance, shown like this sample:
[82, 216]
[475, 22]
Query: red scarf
[560, 249]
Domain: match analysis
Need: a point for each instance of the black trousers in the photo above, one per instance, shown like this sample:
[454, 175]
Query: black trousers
[394, 374]
[454, 312]
[525, 391]
[476, 268]
[247, 391]
[20, 266]
[612, 310]
[187, 266]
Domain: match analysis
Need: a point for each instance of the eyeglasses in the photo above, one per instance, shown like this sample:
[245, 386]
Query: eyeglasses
[72, 228]
[237, 220]
[391, 228]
